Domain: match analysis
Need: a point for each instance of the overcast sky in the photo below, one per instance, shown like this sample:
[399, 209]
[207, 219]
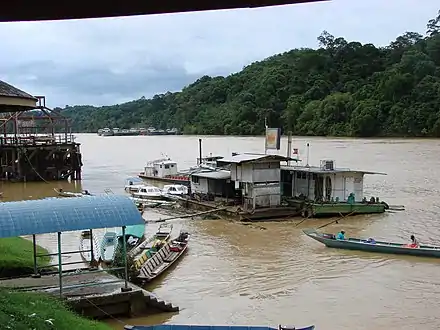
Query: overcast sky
[113, 60]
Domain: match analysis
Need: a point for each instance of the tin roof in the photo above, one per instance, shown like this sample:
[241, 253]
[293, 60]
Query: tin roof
[216, 175]
[11, 91]
[66, 214]
[248, 157]
[318, 170]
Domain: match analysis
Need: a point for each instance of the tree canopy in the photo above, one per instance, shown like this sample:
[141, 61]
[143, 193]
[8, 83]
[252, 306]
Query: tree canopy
[340, 89]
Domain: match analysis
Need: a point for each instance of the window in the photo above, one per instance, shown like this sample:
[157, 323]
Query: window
[195, 179]
[167, 166]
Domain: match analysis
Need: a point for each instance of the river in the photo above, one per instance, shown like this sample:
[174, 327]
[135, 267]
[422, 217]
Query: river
[248, 275]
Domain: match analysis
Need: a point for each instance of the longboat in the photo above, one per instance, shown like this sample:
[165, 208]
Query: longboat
[370, 245]
[161, 260]
[86, 241]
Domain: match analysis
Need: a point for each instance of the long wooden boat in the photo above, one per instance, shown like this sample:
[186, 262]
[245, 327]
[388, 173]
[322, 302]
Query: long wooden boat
[162, 236]
[85, 243]
[63, 193]
[160, 261]
[210, 327]
[373, 246]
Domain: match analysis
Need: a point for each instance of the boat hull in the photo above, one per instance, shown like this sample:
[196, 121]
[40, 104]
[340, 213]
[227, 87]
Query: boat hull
[162, 260]
[377, 247]
[109, 246]
[85, 244]
[208, 327]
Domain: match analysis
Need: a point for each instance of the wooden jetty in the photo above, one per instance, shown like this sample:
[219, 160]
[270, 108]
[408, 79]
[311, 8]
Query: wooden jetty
[35, 142]
[96, 301]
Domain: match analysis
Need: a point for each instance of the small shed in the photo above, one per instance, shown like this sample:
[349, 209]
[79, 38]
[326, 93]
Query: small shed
[258, 178]
[215, 183]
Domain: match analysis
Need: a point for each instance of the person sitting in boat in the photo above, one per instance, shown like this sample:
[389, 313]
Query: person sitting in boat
[371, 240]
[414, 242]
[341, 235]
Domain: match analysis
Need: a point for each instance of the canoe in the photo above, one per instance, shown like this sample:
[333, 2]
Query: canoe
[108, 246]
[160, 261]
[85, 243]
[209, 327]
[359, 244]
[62, 193]
[162, 235]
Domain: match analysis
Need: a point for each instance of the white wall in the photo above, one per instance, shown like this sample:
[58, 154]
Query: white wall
[266, 195]
[342, 185]
[200, 187]
[256, 172]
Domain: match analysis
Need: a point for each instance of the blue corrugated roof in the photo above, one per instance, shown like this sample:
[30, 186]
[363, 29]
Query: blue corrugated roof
[67, 214]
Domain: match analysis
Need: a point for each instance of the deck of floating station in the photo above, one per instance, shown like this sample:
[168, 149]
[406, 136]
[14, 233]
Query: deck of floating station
[35, 141]
[91, 292]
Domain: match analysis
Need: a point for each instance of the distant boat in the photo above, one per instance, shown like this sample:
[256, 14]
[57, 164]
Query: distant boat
[148, 192]
[174, 189]
[209, 327]
[373, 246]
[133, 184]
[63, 193]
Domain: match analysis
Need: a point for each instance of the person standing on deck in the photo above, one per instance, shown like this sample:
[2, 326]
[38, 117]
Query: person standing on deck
[341, 235]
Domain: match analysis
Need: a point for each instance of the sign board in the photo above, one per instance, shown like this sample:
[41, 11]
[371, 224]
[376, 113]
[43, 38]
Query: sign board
[273, 138]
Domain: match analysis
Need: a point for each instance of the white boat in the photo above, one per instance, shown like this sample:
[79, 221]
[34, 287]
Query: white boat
[163, 233]
[175, 189]
[133, 184]
[85, 244]
[148, 192]
[108, 246]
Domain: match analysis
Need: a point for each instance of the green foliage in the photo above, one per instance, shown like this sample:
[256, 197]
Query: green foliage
[341, 89]
[17, 257]
[25, 310]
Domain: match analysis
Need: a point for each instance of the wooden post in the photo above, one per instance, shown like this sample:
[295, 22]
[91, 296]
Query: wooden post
[60, 265]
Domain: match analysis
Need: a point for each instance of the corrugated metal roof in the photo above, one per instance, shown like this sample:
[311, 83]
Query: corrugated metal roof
[243, 158]
[66, 214]
[318, 170]
[11, 91]
[218, 175]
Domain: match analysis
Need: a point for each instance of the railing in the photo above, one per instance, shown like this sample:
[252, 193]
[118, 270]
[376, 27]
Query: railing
[37, 139]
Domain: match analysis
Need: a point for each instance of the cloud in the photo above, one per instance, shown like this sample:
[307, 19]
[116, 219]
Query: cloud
[107, 61]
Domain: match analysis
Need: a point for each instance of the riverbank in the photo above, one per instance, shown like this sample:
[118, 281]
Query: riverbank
[17, 257]
[27, 310]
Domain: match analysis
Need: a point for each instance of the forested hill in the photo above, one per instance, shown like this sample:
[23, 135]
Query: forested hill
[341, 89]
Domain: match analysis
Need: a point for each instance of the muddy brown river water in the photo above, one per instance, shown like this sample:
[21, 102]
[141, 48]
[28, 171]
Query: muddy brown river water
[236, 274]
